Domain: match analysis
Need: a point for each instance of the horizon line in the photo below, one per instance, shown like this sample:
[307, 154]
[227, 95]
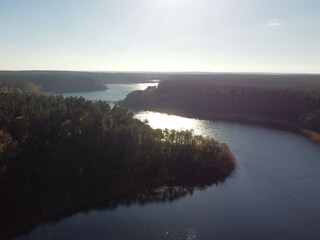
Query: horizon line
[166, 72]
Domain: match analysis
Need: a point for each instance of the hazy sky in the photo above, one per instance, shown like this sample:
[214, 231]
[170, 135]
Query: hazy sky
[161, 35]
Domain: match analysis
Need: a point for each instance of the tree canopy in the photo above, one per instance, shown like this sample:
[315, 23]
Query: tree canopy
[60, 152]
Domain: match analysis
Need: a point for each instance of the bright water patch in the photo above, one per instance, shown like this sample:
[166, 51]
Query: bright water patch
[163, 121]
[115, 92]
[174, 122]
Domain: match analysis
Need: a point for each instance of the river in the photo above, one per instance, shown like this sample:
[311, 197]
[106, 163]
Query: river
[274, 193]
[115, 92]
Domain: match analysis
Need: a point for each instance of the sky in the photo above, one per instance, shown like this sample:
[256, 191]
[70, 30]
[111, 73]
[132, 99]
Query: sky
[277, 36]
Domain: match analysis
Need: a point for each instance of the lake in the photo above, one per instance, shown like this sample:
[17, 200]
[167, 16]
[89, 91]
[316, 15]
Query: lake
[274, 193]
[115, 92]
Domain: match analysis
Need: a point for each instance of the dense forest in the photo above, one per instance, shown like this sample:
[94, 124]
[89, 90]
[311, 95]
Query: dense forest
[291, 105]
[58, 154]
[53, 82]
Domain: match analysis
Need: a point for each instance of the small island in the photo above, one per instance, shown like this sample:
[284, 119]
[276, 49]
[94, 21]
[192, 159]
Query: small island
[60, 155]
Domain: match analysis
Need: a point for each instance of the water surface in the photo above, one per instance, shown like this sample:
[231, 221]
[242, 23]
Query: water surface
[115, 92]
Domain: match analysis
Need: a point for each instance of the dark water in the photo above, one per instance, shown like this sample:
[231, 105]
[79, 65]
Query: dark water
[274, 194]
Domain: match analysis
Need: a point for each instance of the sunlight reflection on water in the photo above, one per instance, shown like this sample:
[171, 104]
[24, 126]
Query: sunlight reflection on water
[115, 92]
[163, 121]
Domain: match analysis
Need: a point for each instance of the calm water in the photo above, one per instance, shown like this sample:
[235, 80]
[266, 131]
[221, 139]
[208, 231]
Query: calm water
[274, 194]
[115, 92]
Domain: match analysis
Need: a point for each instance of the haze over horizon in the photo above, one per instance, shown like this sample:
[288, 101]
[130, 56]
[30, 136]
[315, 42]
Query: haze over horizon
[161, 35]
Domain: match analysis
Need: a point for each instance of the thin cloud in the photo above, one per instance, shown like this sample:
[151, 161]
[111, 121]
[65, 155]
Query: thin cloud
[274, 22]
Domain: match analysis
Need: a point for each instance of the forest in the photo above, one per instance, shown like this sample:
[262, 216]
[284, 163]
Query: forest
[69, 81]
[286, 104]
[72, 81]
[58, 155]
[50, 81]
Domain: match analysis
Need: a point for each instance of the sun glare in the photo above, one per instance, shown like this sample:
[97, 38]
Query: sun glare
[162, 121]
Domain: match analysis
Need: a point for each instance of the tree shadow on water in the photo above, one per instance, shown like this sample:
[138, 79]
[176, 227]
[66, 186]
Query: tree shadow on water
[20, 216]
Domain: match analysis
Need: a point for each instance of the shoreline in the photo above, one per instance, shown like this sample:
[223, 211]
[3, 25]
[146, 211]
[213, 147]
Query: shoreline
[245, 119]
[313, 136]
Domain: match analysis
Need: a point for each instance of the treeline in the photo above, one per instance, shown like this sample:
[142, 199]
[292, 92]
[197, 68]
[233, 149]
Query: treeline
[71, 81]
[293, 107]
[286, 81]
[53, 82]
[60, 152]
[22, 88]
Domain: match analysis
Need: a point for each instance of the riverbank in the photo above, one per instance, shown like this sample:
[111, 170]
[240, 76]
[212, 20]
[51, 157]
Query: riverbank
[244, 119]
[314, 136]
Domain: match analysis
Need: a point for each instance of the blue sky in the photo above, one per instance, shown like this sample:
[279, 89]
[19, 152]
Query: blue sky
[161, 35]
